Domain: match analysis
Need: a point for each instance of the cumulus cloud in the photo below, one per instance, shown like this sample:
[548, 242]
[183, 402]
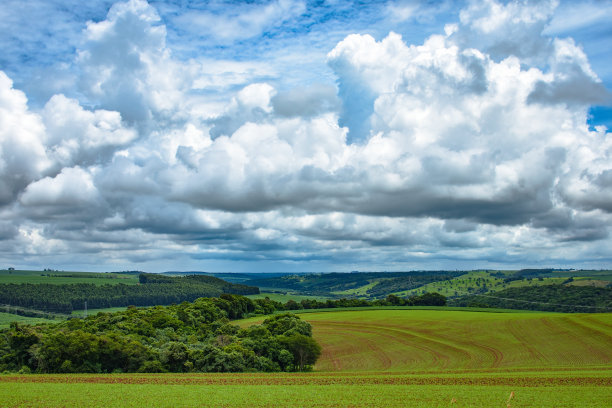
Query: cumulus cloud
[72, 187]
[126, 66]
[22, 151]
[471, 147]
[80, 137]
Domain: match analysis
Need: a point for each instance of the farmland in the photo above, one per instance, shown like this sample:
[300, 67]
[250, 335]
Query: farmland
[546, 389]
[381, 358]
[63, 278]
[7, 318]
[436, 340]
[451, 284]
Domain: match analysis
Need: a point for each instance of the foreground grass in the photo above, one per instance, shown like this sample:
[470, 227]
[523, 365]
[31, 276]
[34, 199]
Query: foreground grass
[589, 388]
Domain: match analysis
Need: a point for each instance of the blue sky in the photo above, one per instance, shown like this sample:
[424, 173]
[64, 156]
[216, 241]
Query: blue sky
[296, 135]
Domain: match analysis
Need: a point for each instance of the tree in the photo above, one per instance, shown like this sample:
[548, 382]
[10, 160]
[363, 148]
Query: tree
[305, 350]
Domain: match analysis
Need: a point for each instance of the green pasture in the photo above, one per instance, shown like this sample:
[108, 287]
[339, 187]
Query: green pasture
[61, 277]
[284, 297]
[474, 281]
[358, 292]
[91, 312]
[7, 318]
[604, 275]
[484, 282]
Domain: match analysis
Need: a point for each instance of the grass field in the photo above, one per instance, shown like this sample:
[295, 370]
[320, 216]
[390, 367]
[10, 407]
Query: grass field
[7, 318]
[476, 280]
[283, 298]
[515, 389]
[381, 358]
[489, 281]
[91, 312]
[61, 277]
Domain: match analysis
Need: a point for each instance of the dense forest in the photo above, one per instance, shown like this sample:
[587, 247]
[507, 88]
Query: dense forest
[153, 290]
[552, 298]
[187, 337]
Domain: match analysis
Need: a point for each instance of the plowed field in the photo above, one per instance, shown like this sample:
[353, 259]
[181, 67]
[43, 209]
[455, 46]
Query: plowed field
[421, 340]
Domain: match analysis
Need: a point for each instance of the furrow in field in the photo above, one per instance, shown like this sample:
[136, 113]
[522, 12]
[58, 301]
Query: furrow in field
[350, 353]
[442, 351]
[517, 330]
[419, 341]
[298, 379]
[596, 342]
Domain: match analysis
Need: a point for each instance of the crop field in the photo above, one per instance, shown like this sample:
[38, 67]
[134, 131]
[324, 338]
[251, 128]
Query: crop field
[380, 358]
[426, 340]
[61, 277]
[459, 389]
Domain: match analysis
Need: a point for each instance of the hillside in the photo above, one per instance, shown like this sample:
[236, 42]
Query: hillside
[153, 289]
[554, 298]
[438, 340]
[364, 284]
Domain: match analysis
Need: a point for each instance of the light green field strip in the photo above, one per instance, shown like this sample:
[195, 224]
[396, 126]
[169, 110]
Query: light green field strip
[55, 278]
[360, 291]
[279, 297]
[7, 318]
[91, 312]
[569, 389]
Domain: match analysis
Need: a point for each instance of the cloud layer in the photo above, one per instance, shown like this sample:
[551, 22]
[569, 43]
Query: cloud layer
[470, 149]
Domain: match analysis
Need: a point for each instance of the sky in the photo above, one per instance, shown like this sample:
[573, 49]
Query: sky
[303, 135]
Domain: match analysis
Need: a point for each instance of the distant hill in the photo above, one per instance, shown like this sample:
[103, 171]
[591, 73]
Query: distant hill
[154, 289]
[553, 298]
[367, 284]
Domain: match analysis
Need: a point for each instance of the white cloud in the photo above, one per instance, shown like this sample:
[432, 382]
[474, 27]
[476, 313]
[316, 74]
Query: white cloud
[126, 66]
[22, 136]
[72, 187]
[76, 136]
[471, 146]
[230, 24]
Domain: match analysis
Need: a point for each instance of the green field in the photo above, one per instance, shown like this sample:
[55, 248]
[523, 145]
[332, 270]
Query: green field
[437, 340]
[61, 277]
[7, 318]
[503, 389]
[91, 312]
[381, 358]
[476, 281]
[284, 297]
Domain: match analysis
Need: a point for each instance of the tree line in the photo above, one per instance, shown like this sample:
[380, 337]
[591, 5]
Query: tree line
[152, 290]
[426, 299]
